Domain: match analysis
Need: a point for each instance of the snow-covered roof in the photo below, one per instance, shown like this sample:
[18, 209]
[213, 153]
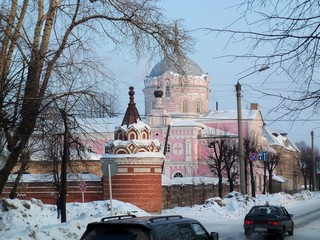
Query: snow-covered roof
[49, 177]
[135, 155]
[280, 139]
[183, 122]
[86, 155]
[230, 114]
[209, 132]
[137, 142]
[139, 125]
[279, 178]
[100, 125]
[189, 180]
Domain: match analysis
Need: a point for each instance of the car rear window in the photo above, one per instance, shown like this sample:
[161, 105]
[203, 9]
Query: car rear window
[115, 233]
[264, 210]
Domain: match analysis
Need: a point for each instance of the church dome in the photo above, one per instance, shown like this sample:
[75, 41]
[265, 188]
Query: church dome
[188, 66]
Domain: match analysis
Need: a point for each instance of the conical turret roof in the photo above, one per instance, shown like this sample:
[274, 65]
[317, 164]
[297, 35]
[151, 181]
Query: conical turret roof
[132, 115]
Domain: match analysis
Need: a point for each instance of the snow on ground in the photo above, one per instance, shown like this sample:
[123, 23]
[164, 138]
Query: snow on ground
[32, 219]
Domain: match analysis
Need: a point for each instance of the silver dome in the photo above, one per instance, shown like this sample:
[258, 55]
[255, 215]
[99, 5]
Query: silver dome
[188, 67]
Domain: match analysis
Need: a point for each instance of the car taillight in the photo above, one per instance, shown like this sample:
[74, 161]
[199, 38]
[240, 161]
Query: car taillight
[248, 222]
[274, 223]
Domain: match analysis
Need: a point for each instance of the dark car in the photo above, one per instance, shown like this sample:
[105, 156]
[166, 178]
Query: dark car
[269, 220]
[130, 227]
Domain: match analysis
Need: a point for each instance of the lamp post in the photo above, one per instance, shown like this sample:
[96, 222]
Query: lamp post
[240, 133]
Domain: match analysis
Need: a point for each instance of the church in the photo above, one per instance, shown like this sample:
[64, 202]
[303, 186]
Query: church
[177, 110]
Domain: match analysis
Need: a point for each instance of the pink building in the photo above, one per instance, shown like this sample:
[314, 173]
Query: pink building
[177, 109]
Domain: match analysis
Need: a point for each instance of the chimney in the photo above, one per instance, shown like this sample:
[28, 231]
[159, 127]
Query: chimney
[254, 106]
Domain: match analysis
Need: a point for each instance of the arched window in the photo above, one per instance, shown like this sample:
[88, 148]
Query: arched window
[198, 107]
[184, 106]
[177, 175]
[168, 148]
[144, 135]
[89, 149]
[132, 136]
[168, 89]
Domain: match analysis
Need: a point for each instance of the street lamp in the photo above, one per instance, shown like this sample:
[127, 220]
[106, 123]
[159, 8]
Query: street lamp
[240, 133]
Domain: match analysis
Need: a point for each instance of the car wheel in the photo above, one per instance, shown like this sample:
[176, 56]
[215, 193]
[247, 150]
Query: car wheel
[291, 230]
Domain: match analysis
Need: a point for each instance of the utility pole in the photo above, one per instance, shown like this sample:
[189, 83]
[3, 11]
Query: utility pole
[314, 165]
[240, 133]
[240, 140]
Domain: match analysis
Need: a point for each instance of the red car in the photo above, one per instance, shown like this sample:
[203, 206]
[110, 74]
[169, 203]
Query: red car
[271, 220]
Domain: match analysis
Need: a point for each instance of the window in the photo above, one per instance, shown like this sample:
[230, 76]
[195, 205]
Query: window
[89, 148]
[200, 232]
[167, 232]
[185, 106]
[132, 136]
[168, 88]
[144, 135]
[186, 231]
[198, 107]
[177, 175]
[168, 148]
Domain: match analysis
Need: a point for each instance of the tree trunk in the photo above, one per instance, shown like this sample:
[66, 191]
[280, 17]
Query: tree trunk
[264, 178]
[220, 186]
[246, 173]
[253, 183]
[231, 185]
[305, 182]
[270, 182]
[310, 183]
[64, 161]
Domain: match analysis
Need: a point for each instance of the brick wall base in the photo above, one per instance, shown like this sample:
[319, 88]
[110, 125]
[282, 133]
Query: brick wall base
[144, 191]
[47, 192]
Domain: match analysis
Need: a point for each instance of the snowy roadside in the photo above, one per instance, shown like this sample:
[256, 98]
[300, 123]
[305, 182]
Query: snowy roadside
[29, 220]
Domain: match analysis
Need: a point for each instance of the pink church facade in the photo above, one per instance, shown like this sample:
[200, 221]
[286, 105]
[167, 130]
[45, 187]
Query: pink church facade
[177, 109]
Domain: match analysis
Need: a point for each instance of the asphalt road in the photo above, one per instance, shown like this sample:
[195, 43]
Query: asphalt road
[306, 219]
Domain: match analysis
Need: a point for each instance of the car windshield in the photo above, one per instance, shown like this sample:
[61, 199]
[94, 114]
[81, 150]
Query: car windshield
[115, 233]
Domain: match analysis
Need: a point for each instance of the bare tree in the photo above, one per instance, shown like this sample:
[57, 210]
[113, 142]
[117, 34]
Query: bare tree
[232, 164]
[285, 35]
[44, 44]
[223, 161]
[306, 164]
[217, 151]
[62, 143]
[250, 147]
[270, 165]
